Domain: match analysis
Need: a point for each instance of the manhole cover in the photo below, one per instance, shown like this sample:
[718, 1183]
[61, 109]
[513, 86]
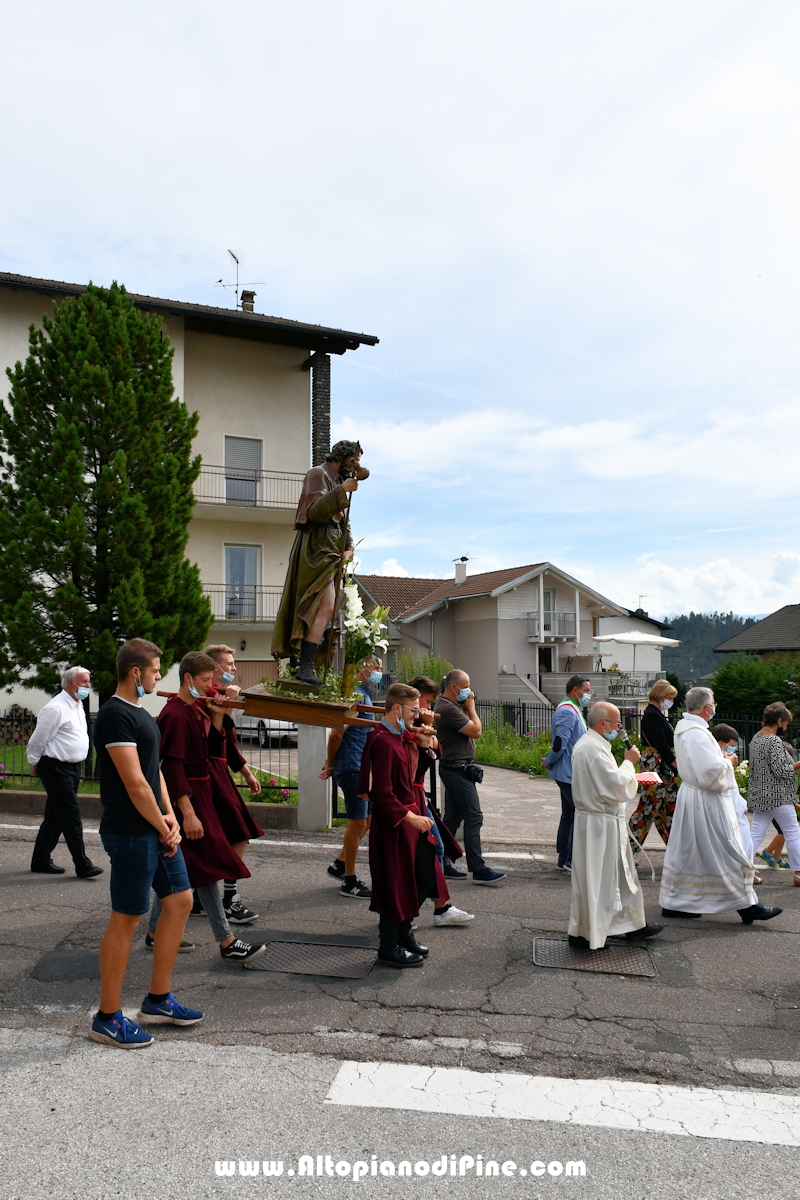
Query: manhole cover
[618, 958]
[314, 958]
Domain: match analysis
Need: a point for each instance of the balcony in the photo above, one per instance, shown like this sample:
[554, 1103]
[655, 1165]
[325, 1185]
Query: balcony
[557, 627]
[631, 685]
[244, 603]
[252, 495]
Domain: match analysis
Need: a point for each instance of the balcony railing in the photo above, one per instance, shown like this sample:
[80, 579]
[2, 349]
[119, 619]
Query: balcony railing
[248, 489]
[556, 624]
[632, 684]
[244, 602]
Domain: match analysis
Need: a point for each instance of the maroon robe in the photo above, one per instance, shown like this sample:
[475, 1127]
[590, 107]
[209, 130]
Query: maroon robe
[184, 762]
[427, 759]
[223, 752]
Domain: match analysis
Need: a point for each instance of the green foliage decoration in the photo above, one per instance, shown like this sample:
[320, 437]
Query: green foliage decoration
[96, 474]
[744, 684]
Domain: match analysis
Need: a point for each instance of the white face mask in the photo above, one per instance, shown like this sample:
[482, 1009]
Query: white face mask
[666, 705]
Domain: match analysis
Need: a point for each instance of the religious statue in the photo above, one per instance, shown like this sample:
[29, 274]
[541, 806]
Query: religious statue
[322, 545]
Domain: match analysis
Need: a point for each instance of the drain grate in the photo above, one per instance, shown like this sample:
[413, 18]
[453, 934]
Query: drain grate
[315, 958]
[618, 958]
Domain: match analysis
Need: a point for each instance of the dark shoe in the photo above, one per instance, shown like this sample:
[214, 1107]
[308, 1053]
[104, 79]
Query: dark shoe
[184, 948]
[411, 944]
[674, 912]
[90, 873]
[452, 873]
[565, 867]
[236, 912]
[578, 943]
[49, 868]
[336, 869]
[305, 673]
[487, 875]
[638, 935]
[241, 952]
[197, 907]
[758, 912]
[398, 957]
[356, 891]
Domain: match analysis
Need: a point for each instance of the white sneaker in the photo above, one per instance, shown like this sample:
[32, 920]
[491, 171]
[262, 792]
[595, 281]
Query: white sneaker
[453, 916]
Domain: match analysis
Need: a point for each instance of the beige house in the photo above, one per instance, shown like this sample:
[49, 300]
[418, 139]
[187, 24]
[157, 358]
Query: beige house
[519, 632]
[261, 387]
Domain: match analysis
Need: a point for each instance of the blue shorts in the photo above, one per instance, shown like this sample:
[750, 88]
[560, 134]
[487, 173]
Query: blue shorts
[139, 864]
[356, 809]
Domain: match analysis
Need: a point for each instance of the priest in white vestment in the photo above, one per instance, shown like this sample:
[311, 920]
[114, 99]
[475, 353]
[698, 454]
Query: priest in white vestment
[706, 866]
[606, 895]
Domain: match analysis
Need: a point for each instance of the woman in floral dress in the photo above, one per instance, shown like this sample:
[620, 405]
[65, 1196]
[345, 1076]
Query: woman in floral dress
[657, 804]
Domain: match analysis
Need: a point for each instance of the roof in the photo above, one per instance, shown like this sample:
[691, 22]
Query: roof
[487, 584]
[643, 616]
[779, 631]
[397, 592]
[227, 322]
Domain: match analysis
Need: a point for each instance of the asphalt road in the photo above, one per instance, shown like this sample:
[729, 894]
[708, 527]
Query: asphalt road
[250, 1083]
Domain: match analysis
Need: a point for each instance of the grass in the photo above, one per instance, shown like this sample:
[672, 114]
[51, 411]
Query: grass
[14, 759]
[504, 747]
[275, 789]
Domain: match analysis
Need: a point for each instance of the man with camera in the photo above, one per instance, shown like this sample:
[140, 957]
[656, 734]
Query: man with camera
[459, 725]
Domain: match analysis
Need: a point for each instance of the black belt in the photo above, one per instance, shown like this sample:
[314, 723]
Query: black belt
[456, 764]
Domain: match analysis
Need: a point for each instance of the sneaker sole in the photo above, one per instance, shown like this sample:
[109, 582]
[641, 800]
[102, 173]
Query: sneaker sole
[200, 914]
[354, 896]
[242, 962]
[109, 1041]
[487, 882]
[187, 949]
[158, 1019]
[242, 920]
[455, 924]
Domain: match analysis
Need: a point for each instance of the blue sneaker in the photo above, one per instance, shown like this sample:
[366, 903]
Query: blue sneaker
[487, 875]
[119, 1031]
[168, 1012]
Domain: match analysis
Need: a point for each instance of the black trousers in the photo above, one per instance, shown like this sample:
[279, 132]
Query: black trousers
[462, 803]
[62, 814]
[394, 933]
[566, 824]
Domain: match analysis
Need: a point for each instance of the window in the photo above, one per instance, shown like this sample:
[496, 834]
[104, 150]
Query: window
[242, 573]
[242, 469]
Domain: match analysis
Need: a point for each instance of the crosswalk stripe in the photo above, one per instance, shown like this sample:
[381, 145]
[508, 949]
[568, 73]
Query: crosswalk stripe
[733, 1115]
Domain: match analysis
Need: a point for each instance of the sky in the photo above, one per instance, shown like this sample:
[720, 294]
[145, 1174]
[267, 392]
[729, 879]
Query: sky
[573, 228]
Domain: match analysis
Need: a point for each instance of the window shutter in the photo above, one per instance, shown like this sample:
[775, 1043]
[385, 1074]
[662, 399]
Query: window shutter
[242, 454]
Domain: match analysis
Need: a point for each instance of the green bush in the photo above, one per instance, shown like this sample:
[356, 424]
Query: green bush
[433, 665]
[745, 684]
[503, 747]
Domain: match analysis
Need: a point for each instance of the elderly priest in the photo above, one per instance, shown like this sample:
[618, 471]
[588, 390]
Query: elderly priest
[606, 896]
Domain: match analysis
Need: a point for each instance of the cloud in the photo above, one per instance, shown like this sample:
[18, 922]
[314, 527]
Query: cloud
[720, 584]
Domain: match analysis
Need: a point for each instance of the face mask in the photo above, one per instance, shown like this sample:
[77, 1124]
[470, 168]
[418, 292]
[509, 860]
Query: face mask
[713, 712]
[730, 749]
[666, 705]
[374, 678]
[139, 688]
[193, 691]
[463, 695]
[82, 693]
[401, 725]
[586, 697]
[610, 735]
[227, 677]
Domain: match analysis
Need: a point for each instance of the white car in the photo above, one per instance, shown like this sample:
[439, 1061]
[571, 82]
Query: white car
[264, 729]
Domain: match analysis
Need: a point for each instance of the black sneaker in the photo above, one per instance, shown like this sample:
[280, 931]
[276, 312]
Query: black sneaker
[451, 872]
[357, 890]
[336, 869]
[236, 912]
[197, 907]
[184, 948]
[241, 952]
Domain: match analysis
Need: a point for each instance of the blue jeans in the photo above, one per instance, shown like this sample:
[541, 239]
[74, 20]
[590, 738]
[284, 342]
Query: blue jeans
[138, 864]
[438, 836]
[565, 825]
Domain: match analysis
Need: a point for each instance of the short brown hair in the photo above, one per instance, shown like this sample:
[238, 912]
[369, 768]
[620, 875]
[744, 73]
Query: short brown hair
[215, 651]
[424, 685]
[775, 712]
[136, 653]
[195, 663]
[725, 733]
[662, 689]
[400, 692]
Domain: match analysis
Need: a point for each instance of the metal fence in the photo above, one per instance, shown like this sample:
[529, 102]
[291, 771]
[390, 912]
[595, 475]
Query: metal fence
[748, 726]
[237, 602]
[248, 489]
[275, 757]
[523, 717]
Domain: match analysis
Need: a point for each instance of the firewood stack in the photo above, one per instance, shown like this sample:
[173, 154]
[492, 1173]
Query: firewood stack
[17, 725]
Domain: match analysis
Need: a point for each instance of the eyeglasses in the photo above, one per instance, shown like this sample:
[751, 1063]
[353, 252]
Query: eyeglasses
[408, 708]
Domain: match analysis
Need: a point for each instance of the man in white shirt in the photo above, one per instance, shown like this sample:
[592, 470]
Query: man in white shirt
[56, 749]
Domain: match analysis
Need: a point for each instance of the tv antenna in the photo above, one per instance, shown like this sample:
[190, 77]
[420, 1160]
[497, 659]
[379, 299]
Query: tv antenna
[221, 283]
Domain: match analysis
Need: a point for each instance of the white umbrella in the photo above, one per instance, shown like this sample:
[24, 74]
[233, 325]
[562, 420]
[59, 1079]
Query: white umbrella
[636, 638]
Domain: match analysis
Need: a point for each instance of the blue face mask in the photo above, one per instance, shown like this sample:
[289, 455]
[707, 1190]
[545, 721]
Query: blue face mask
[227, 677]
[374, 678]
[193, 691]
[586, 697]
[463, 695]
[83, 693]
[139, 688]
[401, 725]
[610, 735]
[730, 749]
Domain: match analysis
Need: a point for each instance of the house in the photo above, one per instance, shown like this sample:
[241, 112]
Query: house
[519, 632]
[261, 387]
[779, 633]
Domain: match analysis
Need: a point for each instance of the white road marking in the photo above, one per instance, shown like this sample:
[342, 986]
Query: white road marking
[766, 1066]
[733, 1115]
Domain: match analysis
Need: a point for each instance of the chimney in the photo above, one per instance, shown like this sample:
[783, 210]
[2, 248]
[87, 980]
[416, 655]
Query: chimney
[461, 570]
[248, 301]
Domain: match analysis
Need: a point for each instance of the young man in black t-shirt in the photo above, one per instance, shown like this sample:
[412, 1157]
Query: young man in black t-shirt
[141, 837]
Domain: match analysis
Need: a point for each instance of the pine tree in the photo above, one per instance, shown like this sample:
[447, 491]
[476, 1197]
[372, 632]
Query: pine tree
[96, 474]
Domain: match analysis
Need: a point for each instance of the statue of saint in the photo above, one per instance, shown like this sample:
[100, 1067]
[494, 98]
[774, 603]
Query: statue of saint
[322, 544]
